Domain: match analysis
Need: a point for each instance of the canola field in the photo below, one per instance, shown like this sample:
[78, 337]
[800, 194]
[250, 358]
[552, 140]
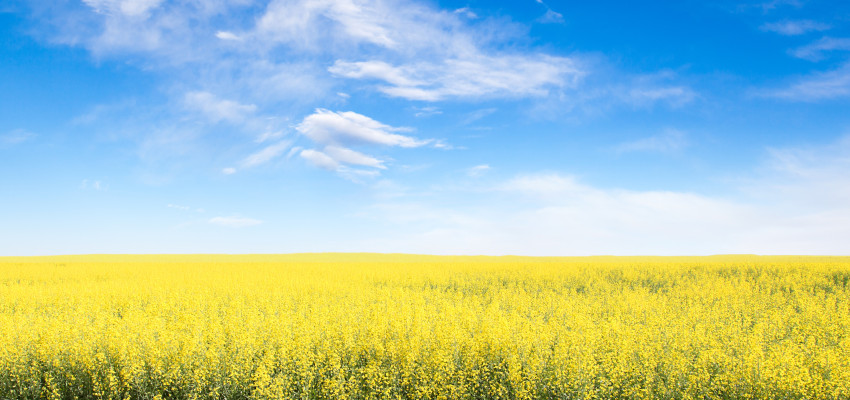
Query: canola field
[365, 326]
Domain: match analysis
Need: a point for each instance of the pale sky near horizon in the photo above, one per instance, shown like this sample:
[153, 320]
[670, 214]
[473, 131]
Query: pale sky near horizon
[443, 127]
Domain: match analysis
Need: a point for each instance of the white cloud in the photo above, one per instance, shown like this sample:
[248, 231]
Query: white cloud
[477, 171]
[551, 17]
[466, 12]
[818, 86]
[266, 154]
[399, 76]
[335, 158]
[217, 109]
[471, 76]
[441, 144]
[793, 28]
[439, 58]
[226, 35]
[669, 141]
[228, 171]
[477, 115]
[335, 131]
[815, 51]
[420, 112]
[293, 151]
[328, 127]
[348, 156]
[357, 175]
[320, 159]
[304, 22]
[185, 39]
[234, 222]
[130, 8]
[595, 97]
[268, 135]
[117, 26]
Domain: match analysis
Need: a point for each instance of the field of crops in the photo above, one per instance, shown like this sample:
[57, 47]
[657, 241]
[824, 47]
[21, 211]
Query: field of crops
[360, 326]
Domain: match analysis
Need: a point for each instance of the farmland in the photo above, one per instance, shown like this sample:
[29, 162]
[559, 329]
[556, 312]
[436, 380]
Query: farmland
[366, 326]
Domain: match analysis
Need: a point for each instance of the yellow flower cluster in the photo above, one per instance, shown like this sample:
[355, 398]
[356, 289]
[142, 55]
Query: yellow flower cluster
[361, 326]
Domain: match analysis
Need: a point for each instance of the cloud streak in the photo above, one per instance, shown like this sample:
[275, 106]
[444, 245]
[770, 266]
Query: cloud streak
[265, 155]
[217, 109]
[472, 76]
[794, 28]
[670, 141]
[818, 86]
[817, 51]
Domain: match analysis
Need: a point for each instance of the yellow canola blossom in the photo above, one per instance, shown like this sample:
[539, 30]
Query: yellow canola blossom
[366, 326]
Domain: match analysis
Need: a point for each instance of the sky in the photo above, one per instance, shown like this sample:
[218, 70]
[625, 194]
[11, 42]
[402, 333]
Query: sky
[526, 127]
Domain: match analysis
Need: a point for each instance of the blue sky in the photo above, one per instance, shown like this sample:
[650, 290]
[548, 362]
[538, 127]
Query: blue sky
[443, 127]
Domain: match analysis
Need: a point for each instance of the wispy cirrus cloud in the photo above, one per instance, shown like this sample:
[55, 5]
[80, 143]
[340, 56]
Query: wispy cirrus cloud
[421, 112]
[307, 23]
[470, 76]
[650, 89]
[266, 154]
[320, 159]
[818, 86]
[550, 16]
[794, 28]
[817, 50]
[130, 8]
[477, 171]
[767, 6]
[217, 109]
[669, 141]
[333, 158]
[673, 95]
[351, 157]
[466, 12]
